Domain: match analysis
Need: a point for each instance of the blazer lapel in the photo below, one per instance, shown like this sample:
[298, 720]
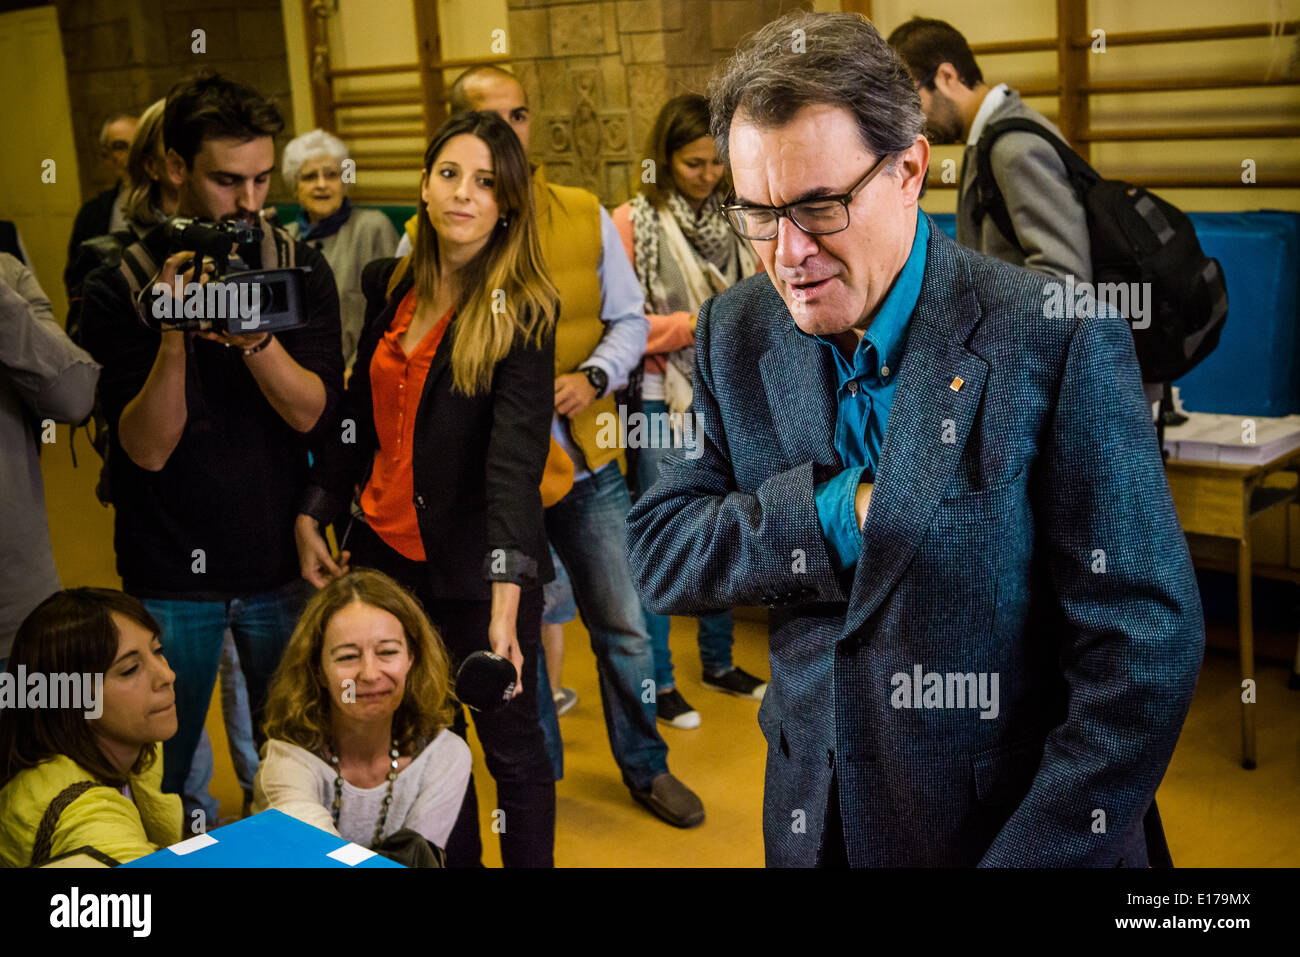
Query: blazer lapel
[935, 404]
[440, 364]
[800, 384]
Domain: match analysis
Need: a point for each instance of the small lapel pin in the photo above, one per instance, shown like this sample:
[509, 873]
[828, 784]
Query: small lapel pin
[957, 383]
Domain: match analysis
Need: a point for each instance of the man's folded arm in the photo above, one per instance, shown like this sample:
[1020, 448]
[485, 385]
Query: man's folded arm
[1132, 630]
[696, 544]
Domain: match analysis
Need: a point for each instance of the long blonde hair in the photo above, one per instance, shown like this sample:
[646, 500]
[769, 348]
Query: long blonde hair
[505, 291]
[143, 203]
[298, 704]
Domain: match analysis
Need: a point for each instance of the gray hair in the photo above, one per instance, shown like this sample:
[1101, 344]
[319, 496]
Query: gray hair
[805, 59]
[103, 128]
[302, 148]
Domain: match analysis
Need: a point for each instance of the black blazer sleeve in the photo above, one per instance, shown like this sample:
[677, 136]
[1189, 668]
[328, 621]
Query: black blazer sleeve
[344, 455]
[523, 395]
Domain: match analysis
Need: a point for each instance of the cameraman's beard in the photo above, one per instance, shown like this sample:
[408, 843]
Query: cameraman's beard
[943, 124]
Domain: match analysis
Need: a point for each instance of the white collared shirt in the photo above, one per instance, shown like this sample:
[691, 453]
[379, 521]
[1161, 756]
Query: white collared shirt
[992, 100]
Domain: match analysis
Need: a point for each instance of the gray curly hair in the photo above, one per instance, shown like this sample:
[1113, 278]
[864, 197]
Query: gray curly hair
[302, 148]
[804, 59]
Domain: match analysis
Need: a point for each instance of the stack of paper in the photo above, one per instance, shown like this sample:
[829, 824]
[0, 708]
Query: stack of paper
[1233, 439]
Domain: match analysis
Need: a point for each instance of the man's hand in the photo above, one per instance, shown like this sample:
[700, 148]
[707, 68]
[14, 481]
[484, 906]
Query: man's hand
[226, 339]
[314, 559]
[573, 393]
[861, 499]
[167, 274]
[166, 278]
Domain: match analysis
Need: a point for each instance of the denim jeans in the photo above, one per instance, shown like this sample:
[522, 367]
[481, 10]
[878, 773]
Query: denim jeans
[193, 633]
[715, 633]
[548, 716]
[239, 739]
[558, 607]
[586, 528]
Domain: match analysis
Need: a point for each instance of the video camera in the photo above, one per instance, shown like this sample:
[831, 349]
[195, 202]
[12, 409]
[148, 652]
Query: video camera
[237, 299]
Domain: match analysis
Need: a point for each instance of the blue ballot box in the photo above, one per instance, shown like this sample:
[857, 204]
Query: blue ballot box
[269, 839]
[1256, 368]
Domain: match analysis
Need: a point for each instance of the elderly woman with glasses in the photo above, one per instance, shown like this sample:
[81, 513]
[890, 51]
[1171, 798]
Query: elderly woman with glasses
[348, 237]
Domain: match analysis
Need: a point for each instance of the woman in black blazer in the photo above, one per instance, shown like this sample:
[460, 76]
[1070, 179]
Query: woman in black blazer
[449, 501]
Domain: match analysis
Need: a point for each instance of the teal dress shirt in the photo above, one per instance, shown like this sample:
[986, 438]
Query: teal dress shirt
[864, 395]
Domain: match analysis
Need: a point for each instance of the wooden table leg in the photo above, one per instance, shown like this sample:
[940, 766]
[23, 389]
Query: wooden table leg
[1246, 643]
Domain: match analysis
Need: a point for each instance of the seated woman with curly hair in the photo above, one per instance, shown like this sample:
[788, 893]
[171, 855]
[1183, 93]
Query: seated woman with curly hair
[358, 716]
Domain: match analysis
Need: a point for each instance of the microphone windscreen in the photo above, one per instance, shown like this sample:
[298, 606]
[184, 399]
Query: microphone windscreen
[486, 681]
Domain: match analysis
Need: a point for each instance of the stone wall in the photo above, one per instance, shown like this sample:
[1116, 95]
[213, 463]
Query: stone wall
[124, 54]
[597, 72]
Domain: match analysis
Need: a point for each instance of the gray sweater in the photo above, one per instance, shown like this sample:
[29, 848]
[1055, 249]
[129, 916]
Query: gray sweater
[366, 236]
[1049, 220]
[44, 378]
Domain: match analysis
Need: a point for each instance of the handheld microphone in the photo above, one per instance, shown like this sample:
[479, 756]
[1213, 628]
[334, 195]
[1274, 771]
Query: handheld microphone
[485, 681]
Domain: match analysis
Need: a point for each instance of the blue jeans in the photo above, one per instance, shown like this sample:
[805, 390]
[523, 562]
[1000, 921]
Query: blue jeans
[238, 720]
[193, 633]
[586, 528]
[558, 606]
[715, 634]
[548, 717]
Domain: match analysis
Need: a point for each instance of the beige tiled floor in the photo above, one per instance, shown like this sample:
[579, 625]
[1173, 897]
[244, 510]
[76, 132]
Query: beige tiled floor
[1215, 813]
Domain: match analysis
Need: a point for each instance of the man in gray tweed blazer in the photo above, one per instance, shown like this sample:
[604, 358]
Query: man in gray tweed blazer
[984, 629]
[1050, 224]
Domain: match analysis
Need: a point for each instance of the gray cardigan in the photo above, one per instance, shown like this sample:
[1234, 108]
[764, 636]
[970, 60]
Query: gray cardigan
[43, 376]
[366, 236]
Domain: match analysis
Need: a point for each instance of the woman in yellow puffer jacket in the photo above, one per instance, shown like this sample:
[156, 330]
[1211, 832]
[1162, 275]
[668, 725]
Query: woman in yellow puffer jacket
[84, 700]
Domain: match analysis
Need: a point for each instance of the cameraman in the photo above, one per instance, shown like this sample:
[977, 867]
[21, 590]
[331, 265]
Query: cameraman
[210, 432]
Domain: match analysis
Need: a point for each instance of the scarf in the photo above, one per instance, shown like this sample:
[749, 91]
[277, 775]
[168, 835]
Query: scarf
[708, 233]
[328, 226]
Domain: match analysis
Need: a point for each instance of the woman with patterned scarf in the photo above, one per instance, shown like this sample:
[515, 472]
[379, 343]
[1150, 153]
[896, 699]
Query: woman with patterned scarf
[684, 252]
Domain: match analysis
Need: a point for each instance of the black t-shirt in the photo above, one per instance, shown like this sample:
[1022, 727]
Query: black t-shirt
[217, 520]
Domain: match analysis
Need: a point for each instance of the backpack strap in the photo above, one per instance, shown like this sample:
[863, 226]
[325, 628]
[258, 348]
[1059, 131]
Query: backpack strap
[990, 200]
[137, 267]
[50, 821]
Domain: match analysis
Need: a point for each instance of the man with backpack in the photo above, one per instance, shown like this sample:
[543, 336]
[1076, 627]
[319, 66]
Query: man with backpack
[1050, 224]
[1025, 197]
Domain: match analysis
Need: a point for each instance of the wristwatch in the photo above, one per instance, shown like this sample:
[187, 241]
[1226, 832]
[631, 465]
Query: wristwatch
[597, 377]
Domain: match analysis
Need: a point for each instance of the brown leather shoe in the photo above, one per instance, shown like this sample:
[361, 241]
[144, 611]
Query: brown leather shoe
[672, 801]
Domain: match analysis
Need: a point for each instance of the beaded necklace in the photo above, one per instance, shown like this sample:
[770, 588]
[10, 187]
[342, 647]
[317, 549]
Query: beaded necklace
[388, 797]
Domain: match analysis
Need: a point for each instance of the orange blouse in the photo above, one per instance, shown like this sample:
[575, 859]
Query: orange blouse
[396, 384]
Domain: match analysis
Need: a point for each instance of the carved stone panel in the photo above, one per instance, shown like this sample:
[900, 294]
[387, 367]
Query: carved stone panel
[606, 67]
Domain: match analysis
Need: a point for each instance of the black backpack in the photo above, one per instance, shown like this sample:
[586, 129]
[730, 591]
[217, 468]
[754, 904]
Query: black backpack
[105, 250]
[1135, 237]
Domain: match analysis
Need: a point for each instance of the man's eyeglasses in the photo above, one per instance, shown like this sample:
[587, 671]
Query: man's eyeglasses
[817, 217]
